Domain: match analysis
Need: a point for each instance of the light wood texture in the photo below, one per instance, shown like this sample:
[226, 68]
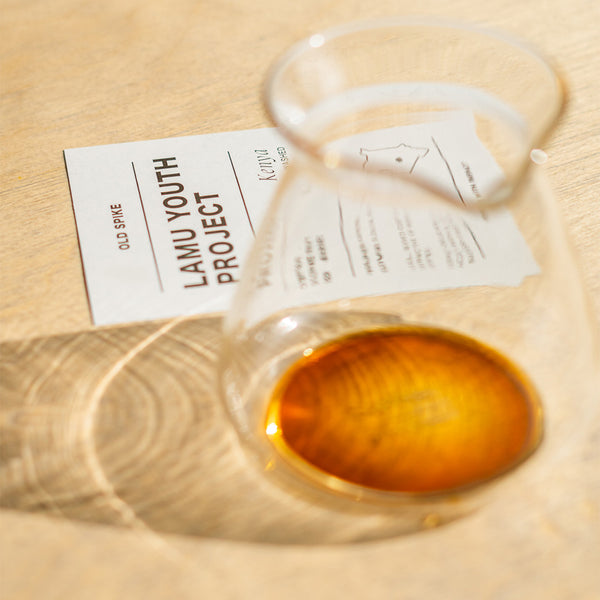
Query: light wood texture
[117, 486]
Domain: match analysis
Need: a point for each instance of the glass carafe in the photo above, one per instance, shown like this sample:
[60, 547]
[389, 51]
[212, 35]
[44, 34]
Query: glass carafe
[410, 329]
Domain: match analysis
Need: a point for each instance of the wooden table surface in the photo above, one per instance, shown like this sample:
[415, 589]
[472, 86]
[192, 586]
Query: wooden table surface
[119, 477]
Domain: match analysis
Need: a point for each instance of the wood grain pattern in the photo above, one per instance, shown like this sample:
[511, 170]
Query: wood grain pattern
[96, 507]
[75, 75]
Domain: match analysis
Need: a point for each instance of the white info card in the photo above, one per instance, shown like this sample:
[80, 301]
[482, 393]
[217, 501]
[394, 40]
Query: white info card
[164, 225]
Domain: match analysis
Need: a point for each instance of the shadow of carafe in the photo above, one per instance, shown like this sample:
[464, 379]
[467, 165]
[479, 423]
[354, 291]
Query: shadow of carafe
[123, 426]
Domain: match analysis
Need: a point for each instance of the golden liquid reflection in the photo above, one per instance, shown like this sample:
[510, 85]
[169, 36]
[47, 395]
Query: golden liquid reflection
[405, 409]
[123, 426]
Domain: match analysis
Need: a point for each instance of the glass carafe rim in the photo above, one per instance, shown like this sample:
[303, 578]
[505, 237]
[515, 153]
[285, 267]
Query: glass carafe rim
[305, 145]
